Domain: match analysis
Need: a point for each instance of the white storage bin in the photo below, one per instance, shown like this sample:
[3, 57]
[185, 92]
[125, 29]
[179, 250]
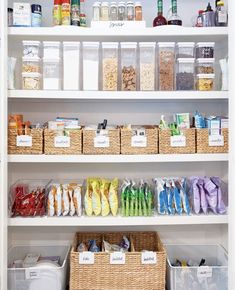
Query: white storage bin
[51, 49]
[215, 276]
[45, 278]
[90, 66]
[71, 61]
[51, 74]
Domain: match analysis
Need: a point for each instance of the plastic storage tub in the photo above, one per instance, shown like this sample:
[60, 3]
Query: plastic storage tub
[185, 50]
[90, 66]
[147, 66]
[110, 66]
[51, 49]
[215, 276]
[71, 60]
[31, 64]
[38, 278]
[129, 66]
[205, 49]
[185, 77]
[51, 74]
[205, 66]
[31, 48]
[205, 82]
[31, 81]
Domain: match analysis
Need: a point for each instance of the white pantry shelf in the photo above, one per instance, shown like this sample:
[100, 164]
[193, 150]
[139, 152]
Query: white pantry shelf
[118, 221]
[117, 95]
[117, 158]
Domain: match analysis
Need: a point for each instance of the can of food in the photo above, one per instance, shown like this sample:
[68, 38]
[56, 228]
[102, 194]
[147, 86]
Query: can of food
[36, 15]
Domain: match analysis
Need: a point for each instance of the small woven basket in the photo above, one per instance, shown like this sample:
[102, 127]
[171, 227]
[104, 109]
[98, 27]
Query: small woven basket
[132, 275]
[75, 143]
[203, 142]
[165, 142]
[89, 146]
[151, 133]
[37, 142]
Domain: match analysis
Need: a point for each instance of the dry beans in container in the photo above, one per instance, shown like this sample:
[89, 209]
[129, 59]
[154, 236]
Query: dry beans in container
[166, 66]
[205, 66]
[205, 50]
[185, 74]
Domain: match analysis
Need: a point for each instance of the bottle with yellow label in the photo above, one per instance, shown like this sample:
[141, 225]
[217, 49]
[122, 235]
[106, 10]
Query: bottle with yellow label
[65, 12]
[57, 12]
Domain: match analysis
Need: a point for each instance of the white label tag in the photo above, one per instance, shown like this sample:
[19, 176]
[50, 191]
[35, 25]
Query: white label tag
[117, 258]
[149, 258]
[62, 142]
[204, 272]
[86, 258]
[101, 141]
[178, 141]
[24, 141]
[138, 141]
[31, 274]
[118, 24]
[216, 140]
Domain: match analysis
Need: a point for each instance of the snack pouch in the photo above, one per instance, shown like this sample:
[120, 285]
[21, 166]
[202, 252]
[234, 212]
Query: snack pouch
[51, 201]
[183, 192]
[204, 203]
[104, 191]
[221, 208]
[160, 196]
[178, 199]
[124, 189]
[149, 198]
[82, 248]
[125, 244]
[58, 200]
[211, 194]
[96, 198]
[111, 247]
[88, 198]
[170, 197]
[113, 197]
[72, 206]
[195, 194]
[93, 247]
[77, 200]
[65, 200]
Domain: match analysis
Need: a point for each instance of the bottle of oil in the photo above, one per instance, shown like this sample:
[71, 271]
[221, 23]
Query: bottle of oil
[174, 19]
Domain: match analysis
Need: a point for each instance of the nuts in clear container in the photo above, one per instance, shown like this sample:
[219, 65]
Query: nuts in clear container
[31, 65]
[110, 66]
[128, 78]
[31, 81]
[205, 66]
[205, 82]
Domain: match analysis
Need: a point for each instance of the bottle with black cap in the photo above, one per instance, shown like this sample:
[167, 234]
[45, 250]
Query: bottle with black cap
[208, 16]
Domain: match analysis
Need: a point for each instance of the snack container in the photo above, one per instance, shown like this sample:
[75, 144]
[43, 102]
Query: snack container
[185, 50]
[52, 74]
[30, 64]
[205, 50]
[51, 49]
[49, 275]
[214, 275]
[147, 66]
[205, 82]
[31, 48]
[185, 74]
[31, 81]
[129, 66]
[205, 66]
[110, 66]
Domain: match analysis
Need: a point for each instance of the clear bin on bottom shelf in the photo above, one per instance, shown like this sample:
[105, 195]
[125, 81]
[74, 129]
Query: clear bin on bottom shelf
[45, 275]
[212, 276]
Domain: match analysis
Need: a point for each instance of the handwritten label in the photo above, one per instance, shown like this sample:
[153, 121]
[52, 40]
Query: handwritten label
[178, 141]
[117, 258]
[31, 274]
[118, 24]
[101, 141]
[86, 258]
[139, 141]
[149, 258]
[24, 141]
[216, 140]
[62, 142]
[204, 272]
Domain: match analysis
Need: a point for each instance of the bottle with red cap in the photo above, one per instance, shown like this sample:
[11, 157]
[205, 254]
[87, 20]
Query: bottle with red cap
[65, 12]
[57, 12]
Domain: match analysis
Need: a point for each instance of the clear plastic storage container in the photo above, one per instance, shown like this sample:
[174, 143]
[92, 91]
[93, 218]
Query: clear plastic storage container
[166, 67]
[71, 61]
[51, 74]
[185, 50]
[31, 64]
[213, 276]
[45, 275]
[147, 66]
[185, 77]
[205, 66]
[205, 82]
[31, 81]
[110, 66]
[51, 49]
[205, 49]
[90, 66]
[129, 66]
[31, 48]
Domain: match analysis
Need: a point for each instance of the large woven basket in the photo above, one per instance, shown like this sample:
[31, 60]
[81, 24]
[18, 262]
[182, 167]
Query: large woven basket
[37, 142]
[133, 275]
[165, 142]
[151, 133]
[75, 143]
[90, 149]
[203, 142]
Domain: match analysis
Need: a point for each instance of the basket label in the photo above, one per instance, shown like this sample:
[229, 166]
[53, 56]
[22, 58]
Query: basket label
[101, 141]
[24, 141]
[178, 141]
[31, 274]
[117, 258]
[86, 258]
[138, 141]
[62, 142]
[149, 258]
[216, 140]
[204, 272]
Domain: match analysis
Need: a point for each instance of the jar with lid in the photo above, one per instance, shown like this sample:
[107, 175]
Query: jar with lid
[185, 50]
[221, 16]
[205, 49]
[130, 11]
[105, 11]
[96, 11]
[138, 11]
[205, 66]
[185, 74]
[113, 13]
[121, 11]
[205, 82]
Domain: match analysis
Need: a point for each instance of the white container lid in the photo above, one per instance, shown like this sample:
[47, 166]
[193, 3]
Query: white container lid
[51, 43]
[31, 42]
[122, 3]
[186, 44]
[206, 76]
[128, 44]
[205, 44]
[147, 44]
[91, 44]
[110, 44]
[105, 4]
[31, 59]
[186, 60]
[166, 44]
[47, 60]
[113, 4]
[31, 75]
[129, 3]
[71, 44]
[205, 60]
[96, 4]
[138, 4]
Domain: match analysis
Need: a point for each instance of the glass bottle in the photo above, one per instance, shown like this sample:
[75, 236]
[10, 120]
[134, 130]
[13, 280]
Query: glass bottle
[96, 11]
[200, 19]
[160, 19]
[105, 11]
[174, 19]
[113, 14]
[138, 11]
[130, 11]
[221, 16]
[121, 11]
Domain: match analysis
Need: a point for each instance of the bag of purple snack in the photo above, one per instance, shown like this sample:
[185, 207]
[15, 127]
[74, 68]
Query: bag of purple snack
[221, 208]
[211, 194]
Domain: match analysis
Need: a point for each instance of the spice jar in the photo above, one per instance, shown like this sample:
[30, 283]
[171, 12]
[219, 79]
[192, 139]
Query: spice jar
[205, 50]
[128, 66]
[31, 81]
[96, 11]
[113, 14]
[205, 82]
[185, 74]
[121, 11]
[138, 11]
[30, 64]
[105, 11]
[205, 66]
[130, 11]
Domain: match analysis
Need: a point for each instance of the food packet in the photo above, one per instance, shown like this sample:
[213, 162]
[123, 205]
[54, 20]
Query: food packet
[125, 244]
[183, 195]
[124, 189]
[194, 189]
[88, 198]
[51, 201]
[96, 198]
[160, 189]
[113, 197]
[71, 198]
[58, 200]
[93, 246]
[178, 198]
[211, 194]
[132, 199]
[65, 200]
[149, 198]
[111, 247]
[199, 121]
[170, 197]
[77, 200]
[82, 248]
[221, 208]
[104, 191]
[204, 203]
